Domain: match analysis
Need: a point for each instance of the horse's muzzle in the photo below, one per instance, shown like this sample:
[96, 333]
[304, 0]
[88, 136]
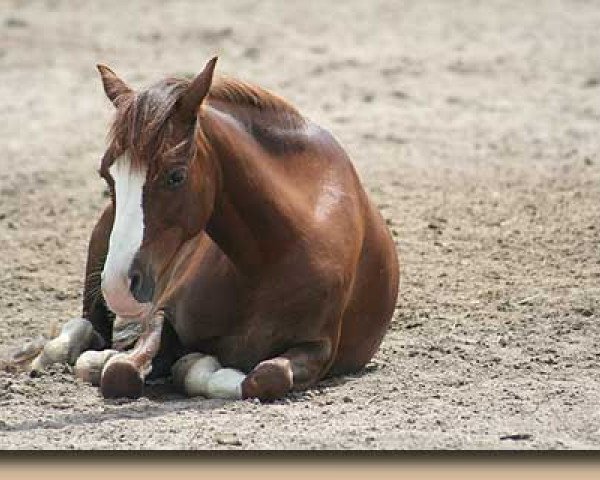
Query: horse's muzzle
[120, 299]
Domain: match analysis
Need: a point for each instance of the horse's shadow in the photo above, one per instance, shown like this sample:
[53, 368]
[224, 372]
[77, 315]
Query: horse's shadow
[166, 399]
[163, 397]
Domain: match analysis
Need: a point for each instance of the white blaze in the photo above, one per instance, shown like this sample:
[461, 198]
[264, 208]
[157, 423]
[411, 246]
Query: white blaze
[128, 226]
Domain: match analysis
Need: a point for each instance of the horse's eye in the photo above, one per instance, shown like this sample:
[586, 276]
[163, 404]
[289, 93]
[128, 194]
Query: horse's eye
[175, 177]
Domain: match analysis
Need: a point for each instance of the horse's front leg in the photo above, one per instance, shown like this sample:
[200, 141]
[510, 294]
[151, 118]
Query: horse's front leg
[126, 332]
[76, 336]
[94, 330]
[123, 374]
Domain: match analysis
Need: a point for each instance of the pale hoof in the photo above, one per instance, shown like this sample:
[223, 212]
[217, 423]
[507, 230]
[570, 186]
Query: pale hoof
[89, 365]
[76, 336]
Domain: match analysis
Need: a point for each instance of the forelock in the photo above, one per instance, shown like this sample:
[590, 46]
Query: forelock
[142, 124]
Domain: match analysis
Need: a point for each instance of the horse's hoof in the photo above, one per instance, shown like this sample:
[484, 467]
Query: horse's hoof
[270, 380]
[121, 379]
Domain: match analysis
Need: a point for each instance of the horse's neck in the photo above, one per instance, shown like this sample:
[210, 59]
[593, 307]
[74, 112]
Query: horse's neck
[256, 212]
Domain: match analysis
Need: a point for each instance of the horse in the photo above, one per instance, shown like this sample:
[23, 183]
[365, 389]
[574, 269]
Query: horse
[238, 236]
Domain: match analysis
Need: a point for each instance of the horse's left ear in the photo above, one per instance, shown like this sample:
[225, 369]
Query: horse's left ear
[115, 88]
[195, 93]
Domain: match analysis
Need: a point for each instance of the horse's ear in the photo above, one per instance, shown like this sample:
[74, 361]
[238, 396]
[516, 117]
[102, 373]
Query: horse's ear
[115, 88]
[195, 93]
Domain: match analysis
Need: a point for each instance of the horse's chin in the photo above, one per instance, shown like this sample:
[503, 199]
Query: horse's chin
[139, 313]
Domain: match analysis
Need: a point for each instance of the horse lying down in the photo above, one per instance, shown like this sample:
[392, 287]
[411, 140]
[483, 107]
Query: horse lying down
[238, 240]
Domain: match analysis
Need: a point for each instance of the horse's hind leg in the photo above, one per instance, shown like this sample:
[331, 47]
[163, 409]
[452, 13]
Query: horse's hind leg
[297, 368]
[94, 330]
[198, 374]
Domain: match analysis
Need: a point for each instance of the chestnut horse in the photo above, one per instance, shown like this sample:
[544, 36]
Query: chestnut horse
[240, 237]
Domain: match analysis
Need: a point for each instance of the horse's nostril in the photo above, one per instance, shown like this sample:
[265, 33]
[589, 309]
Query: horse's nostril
[136, 283]
[141, 286]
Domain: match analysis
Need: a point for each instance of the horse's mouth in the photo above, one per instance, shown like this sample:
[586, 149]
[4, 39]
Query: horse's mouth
[139, 314]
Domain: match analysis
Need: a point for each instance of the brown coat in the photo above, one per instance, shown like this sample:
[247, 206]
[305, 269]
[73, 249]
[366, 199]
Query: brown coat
[271, 249]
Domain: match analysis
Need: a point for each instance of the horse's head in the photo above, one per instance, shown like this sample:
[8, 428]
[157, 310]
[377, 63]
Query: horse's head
[159, 174]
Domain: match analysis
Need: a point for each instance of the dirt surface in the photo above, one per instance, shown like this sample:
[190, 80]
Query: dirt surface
[475, 126]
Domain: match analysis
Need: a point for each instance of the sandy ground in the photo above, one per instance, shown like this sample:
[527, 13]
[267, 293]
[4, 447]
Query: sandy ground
[474, 125]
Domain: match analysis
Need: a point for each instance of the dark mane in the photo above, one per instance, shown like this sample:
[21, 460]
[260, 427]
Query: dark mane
[142, 125]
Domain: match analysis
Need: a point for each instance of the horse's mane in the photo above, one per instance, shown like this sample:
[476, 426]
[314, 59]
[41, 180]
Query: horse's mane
[141, 125]
[236, 92]
[271, 120]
